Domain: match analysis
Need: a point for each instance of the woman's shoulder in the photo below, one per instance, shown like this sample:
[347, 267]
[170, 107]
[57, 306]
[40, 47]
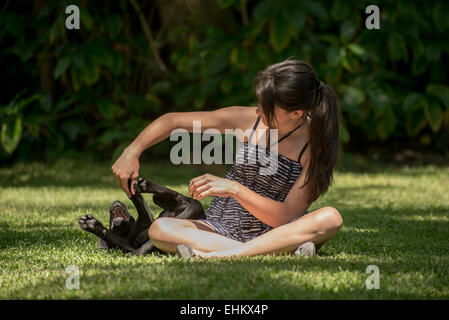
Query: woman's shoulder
[244, 115]
[245, 118]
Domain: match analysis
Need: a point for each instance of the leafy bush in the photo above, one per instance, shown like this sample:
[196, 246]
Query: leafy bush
[391, 82]
[94, 89]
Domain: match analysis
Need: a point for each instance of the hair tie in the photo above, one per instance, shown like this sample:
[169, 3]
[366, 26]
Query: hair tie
[321, 86]
[319, 91]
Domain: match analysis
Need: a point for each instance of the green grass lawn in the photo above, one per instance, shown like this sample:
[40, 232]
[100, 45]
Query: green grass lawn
[396, 219]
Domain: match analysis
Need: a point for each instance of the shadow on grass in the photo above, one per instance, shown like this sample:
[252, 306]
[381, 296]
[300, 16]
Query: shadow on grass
[356, 162]
[93, 207]
[396, 232]
[256, 278]
[373, 230]
[38, 235]
[68, 173]
[399, 241]
[393, 244]
[383, 233]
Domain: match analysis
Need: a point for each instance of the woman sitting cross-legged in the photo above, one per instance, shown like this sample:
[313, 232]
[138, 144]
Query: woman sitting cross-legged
[257, 208]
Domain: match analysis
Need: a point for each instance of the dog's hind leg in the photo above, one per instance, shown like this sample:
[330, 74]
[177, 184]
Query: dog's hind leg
[193, 211]
[162, 196]
[145, 217]
[147, 186]
[175, 204]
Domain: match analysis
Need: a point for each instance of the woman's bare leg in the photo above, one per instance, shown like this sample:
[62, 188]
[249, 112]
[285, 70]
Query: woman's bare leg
[318, 226]
[167, 233]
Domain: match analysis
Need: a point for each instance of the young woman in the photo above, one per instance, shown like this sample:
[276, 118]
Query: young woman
[253, 213]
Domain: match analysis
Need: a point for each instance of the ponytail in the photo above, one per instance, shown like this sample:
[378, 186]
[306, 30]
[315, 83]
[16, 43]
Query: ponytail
[323, 143]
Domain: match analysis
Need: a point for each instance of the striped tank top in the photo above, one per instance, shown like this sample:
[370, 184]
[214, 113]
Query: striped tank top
[226, 215]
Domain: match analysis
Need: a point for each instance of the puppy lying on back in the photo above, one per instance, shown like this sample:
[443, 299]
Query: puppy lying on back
[131, 235]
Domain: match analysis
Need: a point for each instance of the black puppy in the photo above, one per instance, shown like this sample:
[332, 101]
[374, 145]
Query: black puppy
[131, 235]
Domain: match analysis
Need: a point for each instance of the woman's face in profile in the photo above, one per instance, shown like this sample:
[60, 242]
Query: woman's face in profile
[282, 116]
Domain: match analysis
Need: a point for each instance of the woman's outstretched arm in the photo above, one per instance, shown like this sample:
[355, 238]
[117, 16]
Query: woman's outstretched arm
[127, 165]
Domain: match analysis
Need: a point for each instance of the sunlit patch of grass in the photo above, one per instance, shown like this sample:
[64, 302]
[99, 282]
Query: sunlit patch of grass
[396, 219]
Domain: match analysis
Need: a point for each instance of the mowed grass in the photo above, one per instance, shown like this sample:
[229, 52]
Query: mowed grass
[396, 219]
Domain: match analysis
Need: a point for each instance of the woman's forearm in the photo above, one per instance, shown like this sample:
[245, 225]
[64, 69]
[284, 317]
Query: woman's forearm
[127, 166]
[155, 132]
[270, 212]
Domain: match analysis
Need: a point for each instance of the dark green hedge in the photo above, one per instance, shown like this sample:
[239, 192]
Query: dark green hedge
[94, 89]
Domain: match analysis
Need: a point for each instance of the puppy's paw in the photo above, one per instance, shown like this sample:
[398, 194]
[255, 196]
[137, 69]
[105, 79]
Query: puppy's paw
[90, 224]
[142, 185]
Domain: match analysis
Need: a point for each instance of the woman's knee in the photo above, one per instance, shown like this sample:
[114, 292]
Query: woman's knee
[162, 228]
[329, 219]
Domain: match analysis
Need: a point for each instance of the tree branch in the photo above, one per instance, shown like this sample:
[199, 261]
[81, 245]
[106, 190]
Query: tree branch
[244, 10]
[149, 36]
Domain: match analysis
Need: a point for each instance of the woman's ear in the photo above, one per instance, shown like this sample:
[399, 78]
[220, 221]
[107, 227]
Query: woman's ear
[297, 114]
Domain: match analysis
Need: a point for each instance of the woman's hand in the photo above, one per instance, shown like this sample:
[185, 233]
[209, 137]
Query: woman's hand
[126, 167]
[210, 185]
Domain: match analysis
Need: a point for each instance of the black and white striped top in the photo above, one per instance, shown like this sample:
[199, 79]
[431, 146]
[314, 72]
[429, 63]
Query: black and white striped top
[226, 215]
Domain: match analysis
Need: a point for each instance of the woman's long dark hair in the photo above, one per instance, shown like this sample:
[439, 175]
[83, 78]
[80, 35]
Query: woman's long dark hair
[293, 85]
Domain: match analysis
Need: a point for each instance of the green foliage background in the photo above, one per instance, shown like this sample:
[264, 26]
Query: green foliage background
[93, 90]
